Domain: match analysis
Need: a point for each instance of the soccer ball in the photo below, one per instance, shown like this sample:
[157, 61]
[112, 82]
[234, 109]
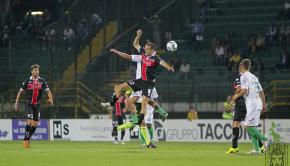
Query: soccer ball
[171, 46]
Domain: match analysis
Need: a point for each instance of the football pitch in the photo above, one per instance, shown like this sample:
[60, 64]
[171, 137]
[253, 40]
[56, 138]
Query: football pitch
[106, 153]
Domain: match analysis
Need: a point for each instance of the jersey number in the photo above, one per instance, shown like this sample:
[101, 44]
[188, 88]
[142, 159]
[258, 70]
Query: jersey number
[148, 119]
[149, 92]
[256, 87]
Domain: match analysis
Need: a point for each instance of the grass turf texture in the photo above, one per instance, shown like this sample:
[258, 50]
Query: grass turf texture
[105, 153]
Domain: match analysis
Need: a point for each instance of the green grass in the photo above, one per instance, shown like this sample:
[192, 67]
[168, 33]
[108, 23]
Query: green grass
[105, 153]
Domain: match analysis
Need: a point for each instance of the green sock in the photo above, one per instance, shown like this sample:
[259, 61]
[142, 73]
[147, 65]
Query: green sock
[125, 126]
[135, 119]
[151, 132]
[142, 138]
[161, 111]
[255, 142]
[144, 133]
[256, 133]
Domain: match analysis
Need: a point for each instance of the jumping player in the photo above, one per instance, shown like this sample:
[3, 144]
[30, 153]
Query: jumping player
[118, 116]
[149, 62]
[254, 97]
[33, 87]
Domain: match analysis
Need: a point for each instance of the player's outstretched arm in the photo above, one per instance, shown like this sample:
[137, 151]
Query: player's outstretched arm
[123, 55]
[17, 99]
[136, 41]
[167, 66]
[49, 97]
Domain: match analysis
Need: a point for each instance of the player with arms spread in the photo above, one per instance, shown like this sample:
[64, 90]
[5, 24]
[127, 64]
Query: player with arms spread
[33, 87]
[255, 104]
[149, 62]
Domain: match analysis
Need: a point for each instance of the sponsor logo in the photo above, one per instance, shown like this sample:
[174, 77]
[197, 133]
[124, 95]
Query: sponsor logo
[252, 120]
[277, 131]
[59, 129]
[161, 135]
[3, 133]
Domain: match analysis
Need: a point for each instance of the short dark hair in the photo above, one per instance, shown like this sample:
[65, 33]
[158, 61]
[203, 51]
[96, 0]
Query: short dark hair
[117, 84]
[152, 45]
[246, 64]
[191, 107]
[35, 66]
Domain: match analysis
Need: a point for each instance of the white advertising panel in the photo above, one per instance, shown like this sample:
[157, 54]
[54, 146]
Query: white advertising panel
[83, 130]
[5, 129]
[278, 129]
[199, 131]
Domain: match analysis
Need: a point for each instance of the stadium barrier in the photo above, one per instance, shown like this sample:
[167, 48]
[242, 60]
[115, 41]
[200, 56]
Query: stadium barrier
[170, 130]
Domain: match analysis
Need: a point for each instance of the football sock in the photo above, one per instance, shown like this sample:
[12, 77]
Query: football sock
[142, 138]
[235, 137]
[134, 118]
[260, 143]
[256, 133]
[113, 100]
[27, 129]
[159, 110]
[122, 134]
[32, 130]
[255, 143]
[125, 126]
[151, 132]
[144, 133]
[116, 136]
[141, 118]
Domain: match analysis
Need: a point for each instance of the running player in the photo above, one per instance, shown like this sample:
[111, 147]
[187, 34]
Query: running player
[255, 104]
[33, 87]
[149, 62]
[239, 115]
[118, 116]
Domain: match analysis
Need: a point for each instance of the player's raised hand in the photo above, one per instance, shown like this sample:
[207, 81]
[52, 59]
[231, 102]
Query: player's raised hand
[50, 101]
[124, 110]
[144, 18]
[113, 50]
[16, 107]
[170, 68]
[139, 32]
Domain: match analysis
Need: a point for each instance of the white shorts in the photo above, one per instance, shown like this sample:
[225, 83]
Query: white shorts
[253, 115]
[149, 115]
[139, 94]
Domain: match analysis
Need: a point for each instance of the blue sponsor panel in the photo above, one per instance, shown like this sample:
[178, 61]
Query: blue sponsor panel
[18, 130]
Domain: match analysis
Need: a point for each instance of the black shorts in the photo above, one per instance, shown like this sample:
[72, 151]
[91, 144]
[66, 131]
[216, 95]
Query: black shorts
[118, 120]
[32, 111]
[240, 113]
[145, 86]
